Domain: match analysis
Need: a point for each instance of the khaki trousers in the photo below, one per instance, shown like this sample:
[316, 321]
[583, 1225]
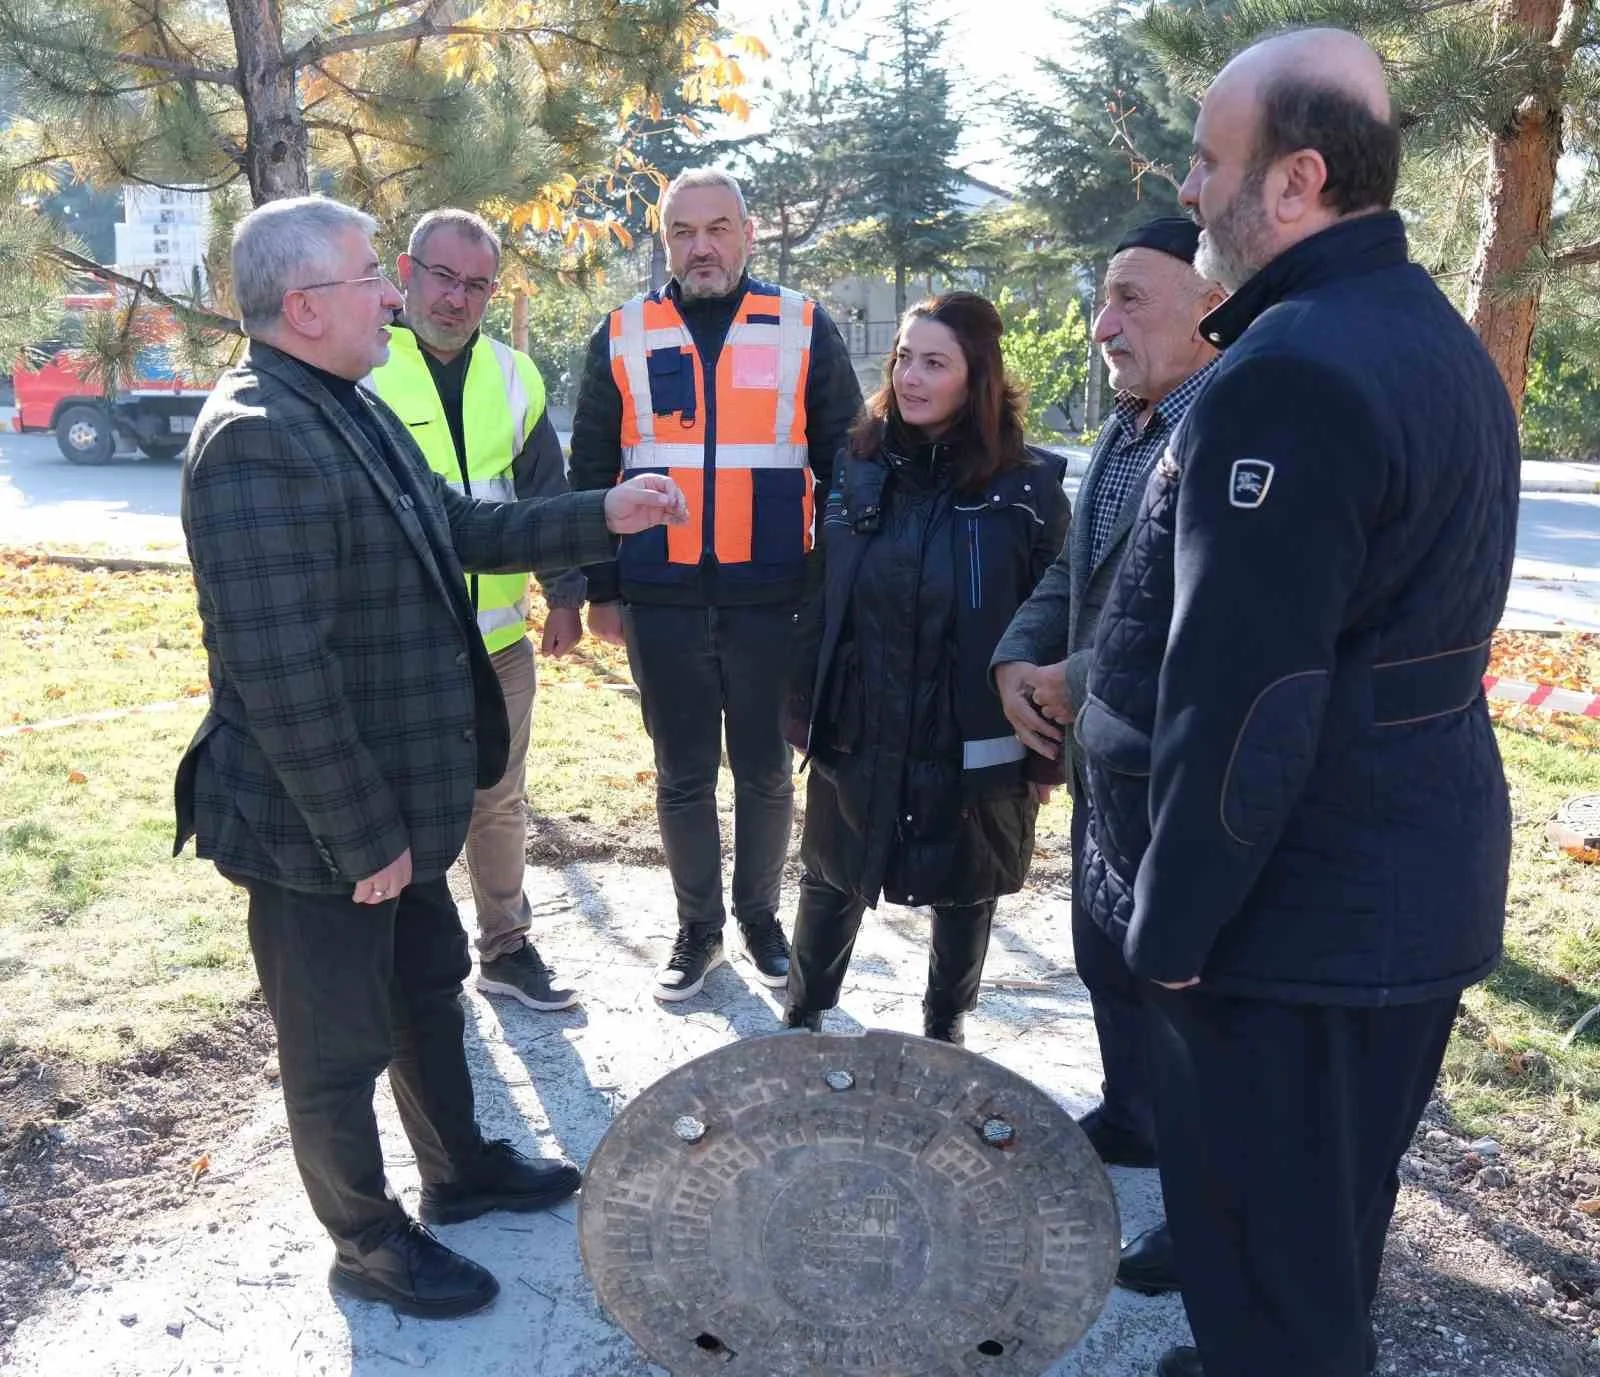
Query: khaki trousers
[497, 839]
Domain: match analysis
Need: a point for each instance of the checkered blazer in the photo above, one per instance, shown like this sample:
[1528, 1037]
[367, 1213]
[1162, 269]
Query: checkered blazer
[353, 708]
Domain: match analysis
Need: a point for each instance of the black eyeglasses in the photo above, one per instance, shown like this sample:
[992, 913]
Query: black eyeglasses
[474, 287]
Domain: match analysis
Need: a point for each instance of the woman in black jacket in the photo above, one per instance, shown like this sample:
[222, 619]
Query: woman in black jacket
[939, 524]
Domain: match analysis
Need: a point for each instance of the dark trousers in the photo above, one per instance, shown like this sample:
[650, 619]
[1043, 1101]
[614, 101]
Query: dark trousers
[825, 928]
[354, 988]
[1281, 1129]
[1117, 997]
[697, 669]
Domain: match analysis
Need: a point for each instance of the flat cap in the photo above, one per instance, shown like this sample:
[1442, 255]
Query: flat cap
[1176, 235]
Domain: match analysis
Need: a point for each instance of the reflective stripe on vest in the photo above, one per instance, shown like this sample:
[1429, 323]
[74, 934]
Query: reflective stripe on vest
[500, 406]
[761, 460]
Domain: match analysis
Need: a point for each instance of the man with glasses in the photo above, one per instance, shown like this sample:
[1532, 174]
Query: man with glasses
[353, 712]
[476, 408]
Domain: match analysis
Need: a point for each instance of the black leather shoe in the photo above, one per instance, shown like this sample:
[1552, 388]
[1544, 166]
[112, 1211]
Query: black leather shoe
[768, 950]
[503, 1179]
[1185, 1362]
[411, 1271]
[1117, 1146]
[803, 1018]
[945, 1027]
[1149, 1265]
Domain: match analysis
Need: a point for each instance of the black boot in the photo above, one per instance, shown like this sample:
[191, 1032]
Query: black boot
[944, 1027]
[956, 948]
[825, 927]
[415, 1274]
[1149, 1264]
[501, 1179]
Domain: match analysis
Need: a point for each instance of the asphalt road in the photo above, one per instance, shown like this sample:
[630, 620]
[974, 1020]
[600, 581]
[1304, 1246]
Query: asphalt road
[130, 507]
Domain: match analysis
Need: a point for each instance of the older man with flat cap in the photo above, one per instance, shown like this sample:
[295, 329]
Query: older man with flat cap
[1300, 825]
[1149, 333]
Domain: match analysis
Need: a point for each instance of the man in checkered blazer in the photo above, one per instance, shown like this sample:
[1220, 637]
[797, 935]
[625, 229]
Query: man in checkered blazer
[353, 713]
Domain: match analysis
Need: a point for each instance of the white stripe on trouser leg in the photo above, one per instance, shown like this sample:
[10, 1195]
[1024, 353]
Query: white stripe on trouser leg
[993, 750]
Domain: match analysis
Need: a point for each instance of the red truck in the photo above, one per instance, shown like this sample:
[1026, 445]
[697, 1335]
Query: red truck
[155, 413]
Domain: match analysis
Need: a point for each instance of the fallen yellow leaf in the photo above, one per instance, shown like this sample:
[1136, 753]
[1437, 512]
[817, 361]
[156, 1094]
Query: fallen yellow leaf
[199, 1167]
[1590, 1206]
[77, 777]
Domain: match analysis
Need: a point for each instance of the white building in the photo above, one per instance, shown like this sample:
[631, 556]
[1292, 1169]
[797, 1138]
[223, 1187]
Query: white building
[164, 231]
[864, 307]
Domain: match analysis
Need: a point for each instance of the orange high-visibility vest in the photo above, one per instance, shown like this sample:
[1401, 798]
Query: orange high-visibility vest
[737, 447]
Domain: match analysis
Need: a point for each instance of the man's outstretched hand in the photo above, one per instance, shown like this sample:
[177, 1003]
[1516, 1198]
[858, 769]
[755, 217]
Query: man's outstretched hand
[650, 499]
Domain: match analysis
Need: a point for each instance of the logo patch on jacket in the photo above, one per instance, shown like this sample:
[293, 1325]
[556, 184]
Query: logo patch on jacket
[1248, 483]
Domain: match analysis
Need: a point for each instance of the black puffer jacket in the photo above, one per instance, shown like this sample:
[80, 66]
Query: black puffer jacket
[918, 789]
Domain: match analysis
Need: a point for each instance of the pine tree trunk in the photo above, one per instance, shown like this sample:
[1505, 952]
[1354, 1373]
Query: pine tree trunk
[899, 290]
[1517, 201]
[519, 320]
[275, 135]
[1095, 382]
[658, 264]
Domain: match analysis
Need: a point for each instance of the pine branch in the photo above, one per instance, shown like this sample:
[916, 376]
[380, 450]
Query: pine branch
[182, 71]
[376, 12]
[79, 263]
[1138, 164]
[128, 173]
[1570, 27]
[169, 39]
[345, 130]
[317, 49]
[1579, 256]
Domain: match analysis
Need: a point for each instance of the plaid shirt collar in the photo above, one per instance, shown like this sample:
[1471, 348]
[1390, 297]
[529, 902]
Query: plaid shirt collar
[1169, 411]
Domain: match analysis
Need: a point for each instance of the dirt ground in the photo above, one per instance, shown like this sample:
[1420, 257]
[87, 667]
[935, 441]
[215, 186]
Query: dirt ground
[1493, 1266]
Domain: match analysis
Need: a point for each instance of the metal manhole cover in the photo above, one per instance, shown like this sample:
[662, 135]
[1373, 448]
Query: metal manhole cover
[805, 1205]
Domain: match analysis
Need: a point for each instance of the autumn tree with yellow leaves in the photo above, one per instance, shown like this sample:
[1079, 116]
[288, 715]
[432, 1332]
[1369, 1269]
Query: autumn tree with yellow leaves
[520, 109]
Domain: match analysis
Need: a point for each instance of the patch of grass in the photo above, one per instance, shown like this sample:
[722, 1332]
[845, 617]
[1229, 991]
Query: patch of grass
[77, 641]
[108, 943]
[1508, 1070]
[590, 761]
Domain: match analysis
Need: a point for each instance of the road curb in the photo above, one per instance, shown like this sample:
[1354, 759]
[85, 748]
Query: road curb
[1566, 485]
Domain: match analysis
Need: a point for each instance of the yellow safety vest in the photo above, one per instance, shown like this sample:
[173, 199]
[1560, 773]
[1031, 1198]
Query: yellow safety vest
[502, 401]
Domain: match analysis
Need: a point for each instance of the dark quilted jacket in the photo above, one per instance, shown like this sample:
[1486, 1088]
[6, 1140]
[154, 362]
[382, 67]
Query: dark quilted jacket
[908, 561]
[1295, 790]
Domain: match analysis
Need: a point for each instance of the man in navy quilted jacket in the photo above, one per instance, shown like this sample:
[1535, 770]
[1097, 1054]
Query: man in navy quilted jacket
[1299, 829]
